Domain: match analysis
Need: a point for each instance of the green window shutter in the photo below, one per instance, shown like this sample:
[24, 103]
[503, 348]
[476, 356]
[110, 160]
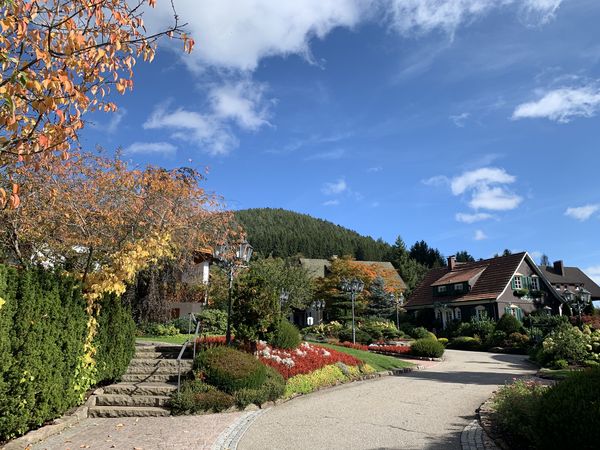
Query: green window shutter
[520, 314]
[506, 310]
[512, 283]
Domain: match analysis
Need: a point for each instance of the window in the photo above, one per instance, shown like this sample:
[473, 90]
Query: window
[480, 313]
[518, 282]
[441, 289]
[514, 311]
[457, 314]
[438, 315]
[458, 287]
[535, 283]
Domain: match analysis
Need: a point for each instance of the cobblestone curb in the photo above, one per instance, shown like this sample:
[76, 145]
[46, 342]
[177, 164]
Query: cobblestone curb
[57, 426]
[229, 439]
[473, 437]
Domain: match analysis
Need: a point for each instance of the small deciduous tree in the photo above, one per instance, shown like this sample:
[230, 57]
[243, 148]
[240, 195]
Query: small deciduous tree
[60, 59]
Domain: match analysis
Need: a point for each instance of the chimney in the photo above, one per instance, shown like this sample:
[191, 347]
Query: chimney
[451, 262]
[559, 268]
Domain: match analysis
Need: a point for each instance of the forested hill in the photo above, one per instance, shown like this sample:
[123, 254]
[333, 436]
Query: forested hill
[286, 233]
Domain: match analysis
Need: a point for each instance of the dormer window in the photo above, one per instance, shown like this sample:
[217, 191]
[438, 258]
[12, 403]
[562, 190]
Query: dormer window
[518, 282]
[458, 287]
[441, 289]
[535, 283]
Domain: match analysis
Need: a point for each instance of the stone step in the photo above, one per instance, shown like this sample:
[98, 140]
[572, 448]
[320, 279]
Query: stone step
[127, 411]
[149, 378]
[157, 370]
[158, 348]
[140, 388]
[156, 355]
[132, 400]
[147, 362]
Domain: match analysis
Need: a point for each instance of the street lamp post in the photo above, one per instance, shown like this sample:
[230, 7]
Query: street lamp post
[283, 298]
[577, 301]
[352, 286]
[399, 302]
[225, 257]
[318, 305]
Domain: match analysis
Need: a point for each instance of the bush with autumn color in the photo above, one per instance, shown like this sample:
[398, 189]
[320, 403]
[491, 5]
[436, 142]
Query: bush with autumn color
[302, 360]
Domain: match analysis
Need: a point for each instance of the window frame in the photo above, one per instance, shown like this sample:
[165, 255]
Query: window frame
[518, 282]
[459, 287]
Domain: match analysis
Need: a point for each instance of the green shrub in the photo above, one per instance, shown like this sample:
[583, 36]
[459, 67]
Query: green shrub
[407, 328]
[509, 324]
[420, 333]
[566, 342]
[465, 343]
[345, 335]
[427, 348]
[213, 400]
[182, 324]
[496, 339]
[286, 336]
[560, 364]
[271, 390]
[184, 401]
[517, 407]
[570, 413]
[213, 321]
[443, 341]
[115, 340]
[230, 370]
[517, 340]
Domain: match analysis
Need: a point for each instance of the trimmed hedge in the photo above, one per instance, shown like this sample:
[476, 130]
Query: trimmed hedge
[427, 347]
[197, 397]
[230, 370]
[43, 325]
[465, 343]
[115, 340]
[286, 336]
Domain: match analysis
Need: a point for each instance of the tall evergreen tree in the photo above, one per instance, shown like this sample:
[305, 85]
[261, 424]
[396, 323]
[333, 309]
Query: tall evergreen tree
[464, 256]
[380, 304]
[411, 271]
[428, 256]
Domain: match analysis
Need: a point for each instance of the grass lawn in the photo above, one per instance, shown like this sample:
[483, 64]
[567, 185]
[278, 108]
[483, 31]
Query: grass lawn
[555, 374]
[377, 362]
[178, 339]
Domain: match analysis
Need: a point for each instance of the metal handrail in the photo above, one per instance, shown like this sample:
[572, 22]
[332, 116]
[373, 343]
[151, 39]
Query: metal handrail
[184, 347]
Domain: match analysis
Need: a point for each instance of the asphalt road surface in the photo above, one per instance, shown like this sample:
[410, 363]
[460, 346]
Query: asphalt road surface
[422, 410]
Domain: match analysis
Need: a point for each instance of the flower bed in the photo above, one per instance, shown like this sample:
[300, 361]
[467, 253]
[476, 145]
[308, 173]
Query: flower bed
[302, 360]
[205, 342]
[393, 349]
[354, 346]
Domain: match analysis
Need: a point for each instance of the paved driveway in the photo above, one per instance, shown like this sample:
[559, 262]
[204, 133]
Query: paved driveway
[422, 410]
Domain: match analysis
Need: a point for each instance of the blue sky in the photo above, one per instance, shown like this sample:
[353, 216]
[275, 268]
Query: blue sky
[472, 124]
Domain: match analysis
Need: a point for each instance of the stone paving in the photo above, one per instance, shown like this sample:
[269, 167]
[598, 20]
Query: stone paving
[474, 437]
[147, 433]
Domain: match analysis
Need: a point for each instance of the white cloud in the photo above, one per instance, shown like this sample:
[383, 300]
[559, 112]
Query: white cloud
[438, 180]
[335, 188]
[374, 169]
[562, 105]
[494, 198]
[460, 119]
[331, 203]
[113, 123]
[582, 213]
[164, 148]
[422, 16]
[480, 235]
[238, 35]
[594, 273]
[206, 132]
[238, 103]
[472, 218]
[242, 102]
[480, 177]
[327, 155]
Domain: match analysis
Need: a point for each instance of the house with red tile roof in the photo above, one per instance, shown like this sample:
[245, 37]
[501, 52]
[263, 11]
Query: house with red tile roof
[511, 284]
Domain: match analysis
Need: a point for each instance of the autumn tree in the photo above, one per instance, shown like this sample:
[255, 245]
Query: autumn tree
[62, 58]
[338, 303]
[96, 217]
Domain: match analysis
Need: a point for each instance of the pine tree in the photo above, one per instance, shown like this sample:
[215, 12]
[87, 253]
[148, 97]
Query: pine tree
[381, 305]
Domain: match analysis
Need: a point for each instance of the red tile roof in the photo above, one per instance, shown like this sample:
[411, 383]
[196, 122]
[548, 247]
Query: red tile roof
[459, 275]
[497, 273]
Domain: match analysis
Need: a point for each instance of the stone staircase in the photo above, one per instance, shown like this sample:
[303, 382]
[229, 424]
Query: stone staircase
[146, 387]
